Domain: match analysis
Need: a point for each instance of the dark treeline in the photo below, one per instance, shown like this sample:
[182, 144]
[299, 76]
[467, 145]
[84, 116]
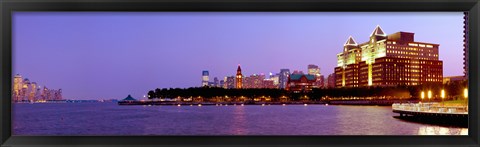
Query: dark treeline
[453, 90]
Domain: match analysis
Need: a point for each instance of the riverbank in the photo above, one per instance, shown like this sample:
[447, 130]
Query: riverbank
[336, 102]
[216, 103]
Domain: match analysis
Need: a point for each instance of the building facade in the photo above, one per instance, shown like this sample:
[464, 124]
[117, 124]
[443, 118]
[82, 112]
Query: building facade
[300, 82]
[453, 79]
[388, 60]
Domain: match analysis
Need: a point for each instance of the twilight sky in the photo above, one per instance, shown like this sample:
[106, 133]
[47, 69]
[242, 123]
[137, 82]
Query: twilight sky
[103, 55]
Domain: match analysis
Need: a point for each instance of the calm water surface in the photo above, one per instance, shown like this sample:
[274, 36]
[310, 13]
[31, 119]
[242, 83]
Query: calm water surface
[112, 119]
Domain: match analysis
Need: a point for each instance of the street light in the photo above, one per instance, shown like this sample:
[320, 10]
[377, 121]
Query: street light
[465, 95]
[442, 95]
[422, 95]
[429, 95]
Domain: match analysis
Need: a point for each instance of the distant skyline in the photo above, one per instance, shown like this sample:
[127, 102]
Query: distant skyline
[104, 55]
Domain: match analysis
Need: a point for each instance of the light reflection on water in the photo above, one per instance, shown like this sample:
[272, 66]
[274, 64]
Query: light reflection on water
[437, 130]
[111, 119]
[238, 127]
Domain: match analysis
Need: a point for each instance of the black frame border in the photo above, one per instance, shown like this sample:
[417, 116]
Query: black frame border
[7, 7]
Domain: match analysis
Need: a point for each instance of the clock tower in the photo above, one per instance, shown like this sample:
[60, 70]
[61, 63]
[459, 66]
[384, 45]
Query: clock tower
[239, 77]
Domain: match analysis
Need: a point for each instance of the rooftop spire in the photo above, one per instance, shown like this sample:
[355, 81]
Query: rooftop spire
[378, 31]
[350, 41]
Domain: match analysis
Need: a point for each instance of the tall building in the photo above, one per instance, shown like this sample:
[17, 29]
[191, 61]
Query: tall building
[26, 90]
[321, 81]
[331, 80]
[222, 82]
[215, 82]
[32, 92]
[205, 78]
[465, 44]
[276, 80]
[239, 77]
[388, 60]
[229, 82]
[283, 78]
[17, 87]
[315, 70]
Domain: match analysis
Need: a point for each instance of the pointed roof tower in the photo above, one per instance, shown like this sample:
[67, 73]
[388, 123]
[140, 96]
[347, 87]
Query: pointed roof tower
[239, 69]
[378, 31]
[350, 42]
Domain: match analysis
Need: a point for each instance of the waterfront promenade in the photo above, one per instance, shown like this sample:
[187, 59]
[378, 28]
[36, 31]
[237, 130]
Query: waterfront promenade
[434, 113]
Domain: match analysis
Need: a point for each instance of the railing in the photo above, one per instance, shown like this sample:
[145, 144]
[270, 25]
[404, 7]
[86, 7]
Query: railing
[430, 108]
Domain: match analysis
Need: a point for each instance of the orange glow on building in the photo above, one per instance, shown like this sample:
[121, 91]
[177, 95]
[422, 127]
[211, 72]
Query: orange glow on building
[388, 60]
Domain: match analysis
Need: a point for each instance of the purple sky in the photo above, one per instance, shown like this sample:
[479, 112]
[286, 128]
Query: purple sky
[100, 55]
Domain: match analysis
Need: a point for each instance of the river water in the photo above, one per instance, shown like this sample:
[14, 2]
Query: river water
[111, 119]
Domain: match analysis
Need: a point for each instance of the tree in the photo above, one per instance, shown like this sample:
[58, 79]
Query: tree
[151, 94]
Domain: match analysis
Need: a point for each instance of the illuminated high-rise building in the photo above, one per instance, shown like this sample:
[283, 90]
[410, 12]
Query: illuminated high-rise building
[254, 81]
[32, 91]
[239, 78]
[205, 78]
[388, 60]
[283, 78]
[17, 87]
[346, 72]
[276, 80]
[315, 70]
[24, 90]
[229, 82]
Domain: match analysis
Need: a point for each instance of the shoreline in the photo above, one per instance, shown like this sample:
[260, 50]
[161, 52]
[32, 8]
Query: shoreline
[349, 102]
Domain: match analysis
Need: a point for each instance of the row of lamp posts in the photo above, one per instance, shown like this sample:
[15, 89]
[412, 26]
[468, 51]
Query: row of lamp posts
[442, 94]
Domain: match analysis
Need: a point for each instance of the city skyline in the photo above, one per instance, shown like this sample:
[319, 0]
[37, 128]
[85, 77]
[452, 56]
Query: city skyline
[125, 61]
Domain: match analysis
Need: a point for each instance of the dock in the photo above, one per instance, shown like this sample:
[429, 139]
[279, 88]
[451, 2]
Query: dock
[432, 113]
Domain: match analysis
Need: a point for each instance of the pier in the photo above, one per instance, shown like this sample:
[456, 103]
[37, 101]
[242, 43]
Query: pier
[432, 113]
